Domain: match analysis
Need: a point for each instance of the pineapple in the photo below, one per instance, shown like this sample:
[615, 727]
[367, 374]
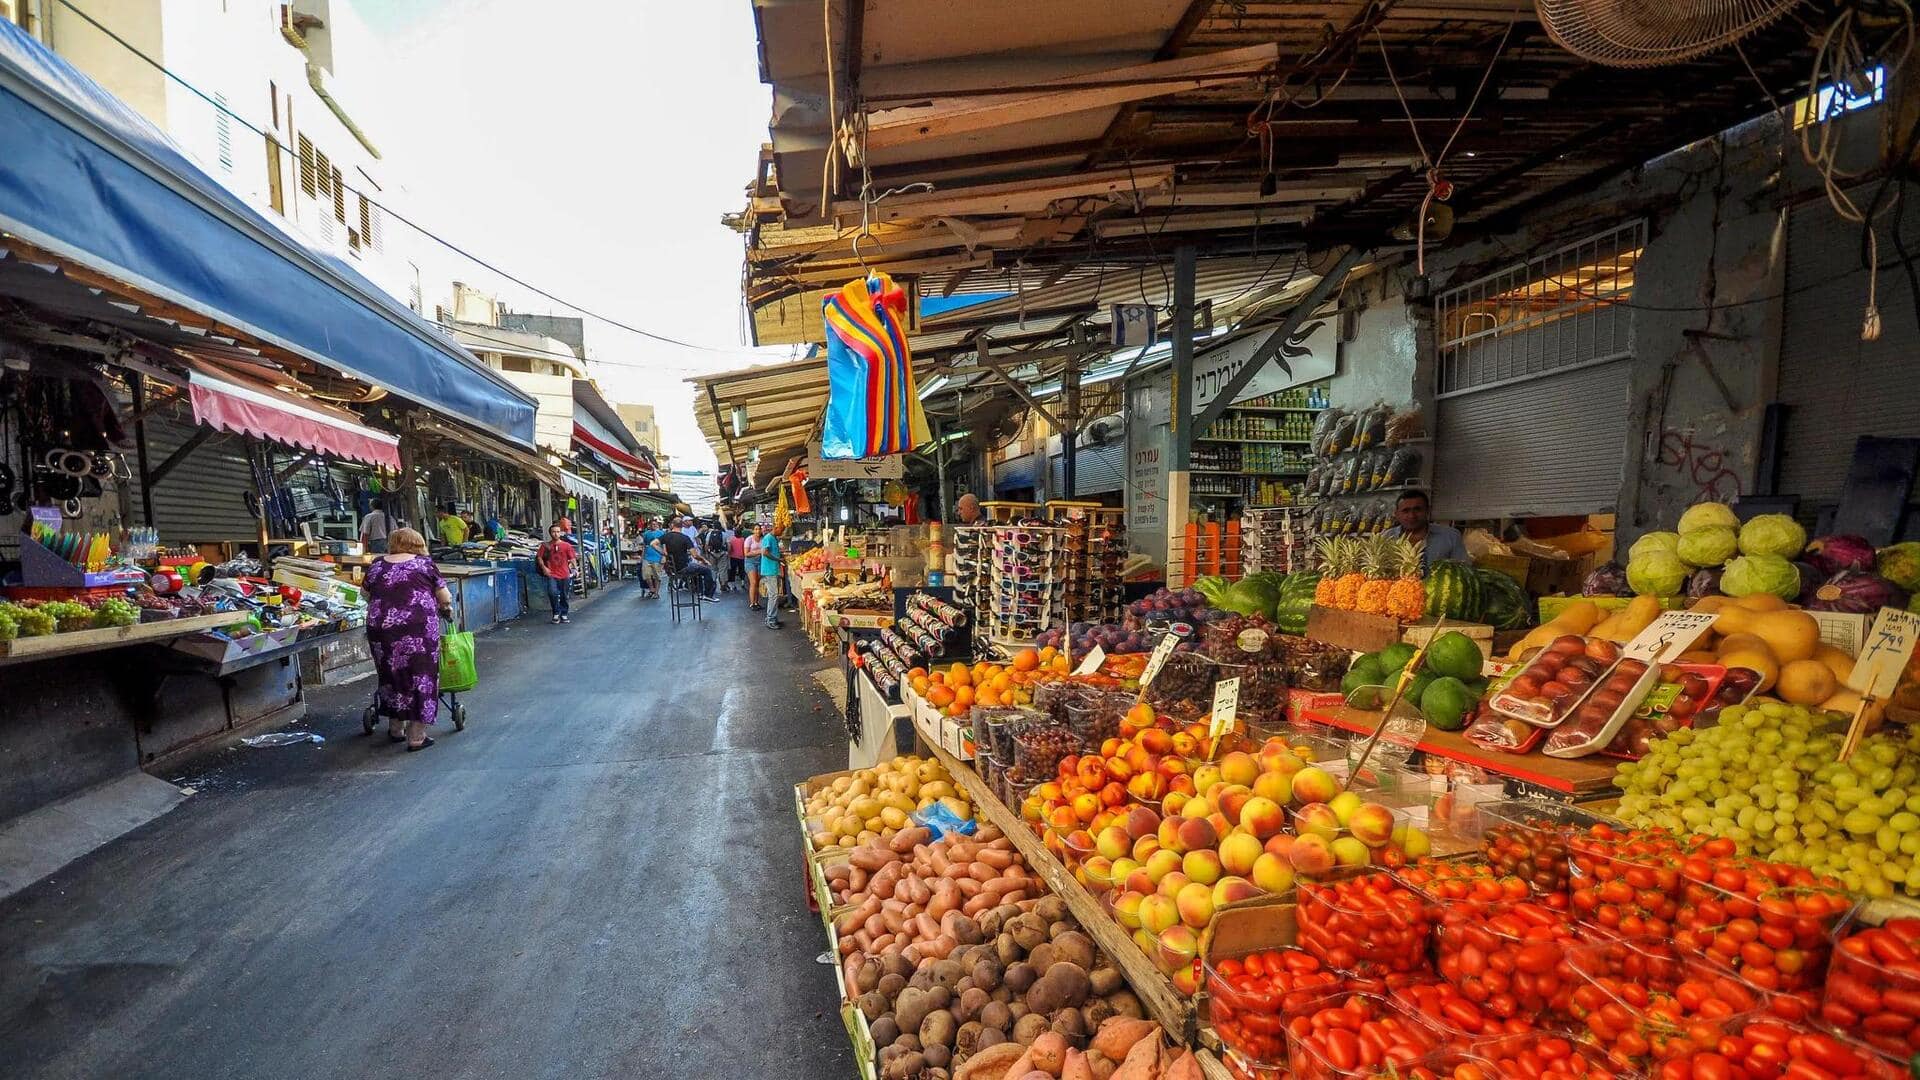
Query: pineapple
[1329, 551]
[1346, 588]
[1378, 564]
[1407, 596]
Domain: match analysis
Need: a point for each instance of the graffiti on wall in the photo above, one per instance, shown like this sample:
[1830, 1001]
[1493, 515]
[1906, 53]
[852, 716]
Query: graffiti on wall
[1701, 464]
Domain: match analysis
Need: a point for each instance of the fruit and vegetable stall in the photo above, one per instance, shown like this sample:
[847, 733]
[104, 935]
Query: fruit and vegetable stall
[1671, 826]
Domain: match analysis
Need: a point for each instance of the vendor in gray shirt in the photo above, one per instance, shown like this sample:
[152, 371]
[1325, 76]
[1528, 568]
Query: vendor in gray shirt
[1414, 514]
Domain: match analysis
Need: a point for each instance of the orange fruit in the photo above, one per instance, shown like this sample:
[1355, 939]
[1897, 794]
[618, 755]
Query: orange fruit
[956, 710]
[1026, 660]
[958, 675]
[1060, 664]
[916, 673]
[939, 696]
[987, 699]
[963, 696]
[920, 685]
[1047, 654]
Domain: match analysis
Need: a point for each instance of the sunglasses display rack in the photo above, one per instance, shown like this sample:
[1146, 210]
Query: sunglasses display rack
[1277, 540]
[973, 575]
[1094, 547]
[1026, 564]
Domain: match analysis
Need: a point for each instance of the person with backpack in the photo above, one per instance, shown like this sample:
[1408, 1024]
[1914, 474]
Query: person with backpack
[555, 560]
[713, 545]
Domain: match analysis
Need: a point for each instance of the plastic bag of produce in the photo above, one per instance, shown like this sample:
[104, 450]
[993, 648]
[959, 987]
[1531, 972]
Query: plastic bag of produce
[1322, 434]
[1404, 425]
[1403, 465]
[1382, 465]
[1344, 433]
[1372, 429]
[942, 820]
[1348, 472]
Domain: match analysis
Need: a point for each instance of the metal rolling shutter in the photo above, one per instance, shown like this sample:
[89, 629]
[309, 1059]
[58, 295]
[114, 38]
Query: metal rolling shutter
[1546, 446]
[1835, 386]
[203, 500]
[1020, 472]
[1096, 470]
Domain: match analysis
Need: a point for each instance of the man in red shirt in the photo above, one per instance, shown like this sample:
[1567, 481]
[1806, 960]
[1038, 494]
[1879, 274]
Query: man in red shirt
[555, 560]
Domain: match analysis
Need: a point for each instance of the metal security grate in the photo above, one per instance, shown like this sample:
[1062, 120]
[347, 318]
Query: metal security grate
[1564, 309]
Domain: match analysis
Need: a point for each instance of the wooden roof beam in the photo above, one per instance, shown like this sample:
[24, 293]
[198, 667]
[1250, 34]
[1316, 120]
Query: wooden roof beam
[1016, 196]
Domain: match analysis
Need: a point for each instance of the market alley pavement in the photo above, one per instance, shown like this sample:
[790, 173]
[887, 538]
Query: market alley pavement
[599, 877]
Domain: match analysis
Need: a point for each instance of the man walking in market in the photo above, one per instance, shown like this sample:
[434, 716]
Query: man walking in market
[555, 560]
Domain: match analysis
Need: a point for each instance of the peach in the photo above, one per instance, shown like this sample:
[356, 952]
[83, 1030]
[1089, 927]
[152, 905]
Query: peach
[1185, 744]
[1272, 873]
[1344, 804]
[1262, 817]
[1195, 903]
[1198, 807]
[1139, 881]
[1119, 769]
[1171, 805]
[1178, 946]
[1186, 980]
[1316, 819]
[1202, 866]
[1311, 855]
[1085, 806]
[1314, 785]
[1172, 766]
[1155, 741]
[1280, 845]
[1182, 784]
[1122, 870]
[1126, 909]
[1173, 883]
[1113, 842]
[1147, 787]
[1276, 787]
[1169, 836]
[1350, 852]
[1206, 778]
[1275, 755]
[1197, 833]
[1221, 826]
[1141, 821]
[1061, 819]
[1240, 768]
[1372, 825]
[1238, 851]
[1098, 872]
[1232, 890]
[1158, 912]
[1144, 848]
[1148, 941]
[1230, 798]
[1414, 844]
[1160, 864]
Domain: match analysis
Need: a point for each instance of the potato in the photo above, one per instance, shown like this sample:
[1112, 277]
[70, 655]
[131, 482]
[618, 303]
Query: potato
[1027, 932]
[911, 1009]
[872, 1005]
[1123, 1003]
[989, 1037]
[906, 1067]
[1008, 950]
[1046, 996]
[938, 1029]
[948, 973]
[891, 985]
[967, 931]
[967, 1039]
[938, 997]
[895, 964]
[1050, 909]
[1097, 1012]
[1075, 948]
[1042, 957]
[868, 977]
[986, 975]
[1063, 926]
[995, 1014]
[1020, 977]
[938, 1056]
[970, 1003]
[1028, 1028]
[1070, 1024]
[884, 1031]
[1072, 980]
[1002, 994]
[1104, 981]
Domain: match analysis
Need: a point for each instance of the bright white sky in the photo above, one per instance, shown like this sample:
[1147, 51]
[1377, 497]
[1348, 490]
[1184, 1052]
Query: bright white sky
[588, 147]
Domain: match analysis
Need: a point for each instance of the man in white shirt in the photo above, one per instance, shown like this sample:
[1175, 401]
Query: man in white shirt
[373, 532]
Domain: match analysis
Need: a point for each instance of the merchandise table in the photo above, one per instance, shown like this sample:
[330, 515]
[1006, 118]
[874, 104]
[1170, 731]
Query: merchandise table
[1582, 778]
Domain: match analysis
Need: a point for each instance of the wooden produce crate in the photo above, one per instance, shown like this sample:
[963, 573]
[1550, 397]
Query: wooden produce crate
[1354, 630]
[1418, 633]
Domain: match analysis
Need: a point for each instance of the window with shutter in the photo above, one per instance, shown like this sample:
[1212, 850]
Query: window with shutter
[223, 133]
[309, 170]
[276, 190]
[339, 198]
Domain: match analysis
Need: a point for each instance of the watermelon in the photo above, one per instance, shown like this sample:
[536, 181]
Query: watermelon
[1296, 596]
[1503, 603]
[1453, 591]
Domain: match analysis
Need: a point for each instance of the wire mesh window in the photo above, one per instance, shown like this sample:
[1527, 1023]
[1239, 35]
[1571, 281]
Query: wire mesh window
[1564, 309]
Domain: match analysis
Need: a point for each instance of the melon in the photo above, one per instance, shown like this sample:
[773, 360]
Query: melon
[1453, 592]
[1805, 682]
[1836, 659]
[1790, 635]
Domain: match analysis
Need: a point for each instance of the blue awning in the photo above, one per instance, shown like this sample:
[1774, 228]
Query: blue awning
[86, 177]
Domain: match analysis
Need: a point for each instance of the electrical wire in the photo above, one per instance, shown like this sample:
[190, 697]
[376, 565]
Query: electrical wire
[371, 201]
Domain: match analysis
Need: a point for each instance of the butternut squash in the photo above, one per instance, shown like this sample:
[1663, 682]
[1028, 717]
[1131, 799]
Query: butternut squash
[1760, 602]
[1792, 635]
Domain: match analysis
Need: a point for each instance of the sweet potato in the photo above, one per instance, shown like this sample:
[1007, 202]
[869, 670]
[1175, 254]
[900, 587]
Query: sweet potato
[1142, 1062]
[1184, 1067]
[980, 871]
[991, 1063]
[870, 858]
[1014, 897]
[995, 858]
[1076, 1067]
[1021, 1067]
[1050, 1052]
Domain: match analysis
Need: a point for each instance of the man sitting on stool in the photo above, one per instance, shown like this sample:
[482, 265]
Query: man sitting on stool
[683, 557]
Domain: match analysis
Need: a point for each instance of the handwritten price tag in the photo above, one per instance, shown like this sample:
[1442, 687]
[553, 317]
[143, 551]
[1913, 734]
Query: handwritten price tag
[1159, 658]
[1092, 661]
[1669, 635]
[1889, 646]
[1226, 705]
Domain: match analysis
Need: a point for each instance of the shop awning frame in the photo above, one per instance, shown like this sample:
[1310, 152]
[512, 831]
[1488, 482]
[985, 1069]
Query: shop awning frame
[230, 402]
[87, 178]
[535, 468]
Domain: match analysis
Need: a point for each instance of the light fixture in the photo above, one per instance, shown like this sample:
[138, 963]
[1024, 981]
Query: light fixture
[843, 512]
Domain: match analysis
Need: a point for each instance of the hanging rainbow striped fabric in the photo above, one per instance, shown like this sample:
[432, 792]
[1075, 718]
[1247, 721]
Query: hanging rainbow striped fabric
[872, 408]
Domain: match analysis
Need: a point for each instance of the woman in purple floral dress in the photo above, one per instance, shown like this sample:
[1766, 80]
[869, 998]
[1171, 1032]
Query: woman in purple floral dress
[406, 601]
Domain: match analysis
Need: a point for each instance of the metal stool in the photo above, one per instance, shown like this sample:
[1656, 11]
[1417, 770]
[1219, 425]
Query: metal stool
[683, 592]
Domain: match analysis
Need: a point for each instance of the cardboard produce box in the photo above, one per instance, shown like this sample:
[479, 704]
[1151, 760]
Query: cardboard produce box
[1354, 630]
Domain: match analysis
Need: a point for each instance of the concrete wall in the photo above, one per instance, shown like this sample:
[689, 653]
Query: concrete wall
[125, 75]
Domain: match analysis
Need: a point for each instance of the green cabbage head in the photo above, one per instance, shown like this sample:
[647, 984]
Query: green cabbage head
[1750, 574]
[1654, 541]
[1708, 513]
[1772, 534]
[1708, 545]
[1900, 564]
[1658, 573]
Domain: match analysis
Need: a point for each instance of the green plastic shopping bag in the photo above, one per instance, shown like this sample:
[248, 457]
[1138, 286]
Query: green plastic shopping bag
[457, 671]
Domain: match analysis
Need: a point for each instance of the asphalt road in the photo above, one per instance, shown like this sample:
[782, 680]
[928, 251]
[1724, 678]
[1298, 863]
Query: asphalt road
[600, 877]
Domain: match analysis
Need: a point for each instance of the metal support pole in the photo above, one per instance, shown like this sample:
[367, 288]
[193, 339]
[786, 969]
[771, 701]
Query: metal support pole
[940, 468]
[1180, 415]
[1069, 435]
[140, 446]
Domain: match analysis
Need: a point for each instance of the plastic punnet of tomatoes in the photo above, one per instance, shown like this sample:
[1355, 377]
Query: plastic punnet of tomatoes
[1626, 882]
[1873, 985]
[1364, 922]
[1512, 961]
[1771, 1049]
[1250, 998]
[1460, 1021]
[1240, 1068]
[1528, 838]
[1449, 884]
[1547, 1056]
[1448, 1064]
[1641, 1002]
[1356, 1035]
[1770, 922]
